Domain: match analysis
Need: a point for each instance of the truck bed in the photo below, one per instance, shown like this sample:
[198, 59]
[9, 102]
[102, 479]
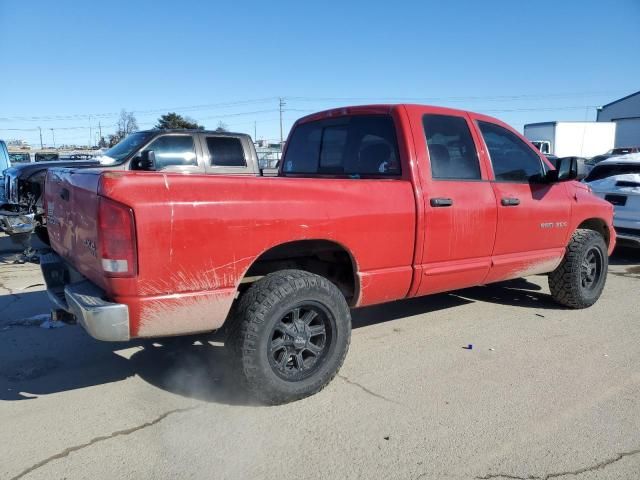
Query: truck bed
[197, 235]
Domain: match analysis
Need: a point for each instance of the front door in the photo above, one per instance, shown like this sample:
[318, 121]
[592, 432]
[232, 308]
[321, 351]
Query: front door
[533, 216]
[460, 205]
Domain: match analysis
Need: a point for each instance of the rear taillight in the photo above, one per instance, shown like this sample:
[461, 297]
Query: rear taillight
[116, 239]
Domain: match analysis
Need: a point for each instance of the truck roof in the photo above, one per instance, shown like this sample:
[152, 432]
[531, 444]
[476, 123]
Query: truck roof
[382, 108]
[192, 130]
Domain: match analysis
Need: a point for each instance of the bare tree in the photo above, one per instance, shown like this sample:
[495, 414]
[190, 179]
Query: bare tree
[127, 123]
[222, 127]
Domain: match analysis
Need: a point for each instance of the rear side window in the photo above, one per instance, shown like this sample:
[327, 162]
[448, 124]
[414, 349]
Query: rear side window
[511, 158]
[452, 152]
[226, 152]
[363, 145]
[173, 150]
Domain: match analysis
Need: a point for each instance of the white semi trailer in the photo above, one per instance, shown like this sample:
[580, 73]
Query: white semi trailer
[572, 139]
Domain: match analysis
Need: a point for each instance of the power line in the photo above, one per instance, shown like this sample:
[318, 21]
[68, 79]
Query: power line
[457, 98]
[222, 105]
[137, 112]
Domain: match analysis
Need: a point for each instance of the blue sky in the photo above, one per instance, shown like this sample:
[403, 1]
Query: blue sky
[523, 62]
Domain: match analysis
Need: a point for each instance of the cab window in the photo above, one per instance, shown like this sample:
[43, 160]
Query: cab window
[512, 159]
[353, 146]
[452, 152]
[226, 152]
[173, 150]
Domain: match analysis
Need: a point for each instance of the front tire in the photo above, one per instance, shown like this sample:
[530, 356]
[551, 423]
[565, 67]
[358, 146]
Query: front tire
[579, 279]
[291, 334]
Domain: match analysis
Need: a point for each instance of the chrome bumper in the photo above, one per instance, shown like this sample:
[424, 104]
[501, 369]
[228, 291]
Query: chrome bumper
[101, 319]
[14, 223]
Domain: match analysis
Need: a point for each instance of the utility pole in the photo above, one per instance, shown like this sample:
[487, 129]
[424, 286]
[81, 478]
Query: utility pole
[282, 104]
[90, 133]
[53, 136]
[255, 131]
[100, 129]
[41, 147]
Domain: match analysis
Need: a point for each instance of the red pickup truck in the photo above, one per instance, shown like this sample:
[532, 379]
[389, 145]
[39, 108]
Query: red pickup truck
[371, 204]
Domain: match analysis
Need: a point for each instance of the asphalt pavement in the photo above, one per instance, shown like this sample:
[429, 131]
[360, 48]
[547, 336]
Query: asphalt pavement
[543, 393]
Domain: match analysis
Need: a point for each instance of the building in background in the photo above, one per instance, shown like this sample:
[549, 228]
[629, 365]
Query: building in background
[625, 112]
[571, 139]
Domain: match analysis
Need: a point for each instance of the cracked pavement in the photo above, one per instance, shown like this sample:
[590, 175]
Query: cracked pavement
[544, 393]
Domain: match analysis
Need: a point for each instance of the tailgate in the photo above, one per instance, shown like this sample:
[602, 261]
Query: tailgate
[72, 209]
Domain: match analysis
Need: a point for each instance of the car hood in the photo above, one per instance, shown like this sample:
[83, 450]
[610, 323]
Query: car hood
[27, 169]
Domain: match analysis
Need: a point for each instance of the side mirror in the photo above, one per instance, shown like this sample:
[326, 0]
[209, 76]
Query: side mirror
[145, 161]
[566, 169]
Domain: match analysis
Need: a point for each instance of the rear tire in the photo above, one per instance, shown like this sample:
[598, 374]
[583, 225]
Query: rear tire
[291, 334]
[579, 279]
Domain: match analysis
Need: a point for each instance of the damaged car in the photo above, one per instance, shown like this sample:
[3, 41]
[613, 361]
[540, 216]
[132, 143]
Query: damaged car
[21, 210]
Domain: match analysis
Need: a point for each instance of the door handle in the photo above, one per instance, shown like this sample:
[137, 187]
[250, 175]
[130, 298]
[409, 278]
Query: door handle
[64, 194]
[441, 202]
[510, 202]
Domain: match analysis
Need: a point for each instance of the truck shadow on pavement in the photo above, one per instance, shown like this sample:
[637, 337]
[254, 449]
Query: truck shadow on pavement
[519, 292]
[36, 361]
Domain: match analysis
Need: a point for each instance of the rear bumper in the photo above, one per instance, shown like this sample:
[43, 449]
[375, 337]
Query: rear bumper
[101, 319]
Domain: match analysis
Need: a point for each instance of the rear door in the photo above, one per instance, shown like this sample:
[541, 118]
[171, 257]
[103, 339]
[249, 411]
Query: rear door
[533, 217]
[460, 205]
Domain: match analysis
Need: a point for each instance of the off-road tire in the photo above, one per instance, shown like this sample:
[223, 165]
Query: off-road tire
[565, 282]
[255, 316]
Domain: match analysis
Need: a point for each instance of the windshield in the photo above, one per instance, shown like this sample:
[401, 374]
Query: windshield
[121, 151]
